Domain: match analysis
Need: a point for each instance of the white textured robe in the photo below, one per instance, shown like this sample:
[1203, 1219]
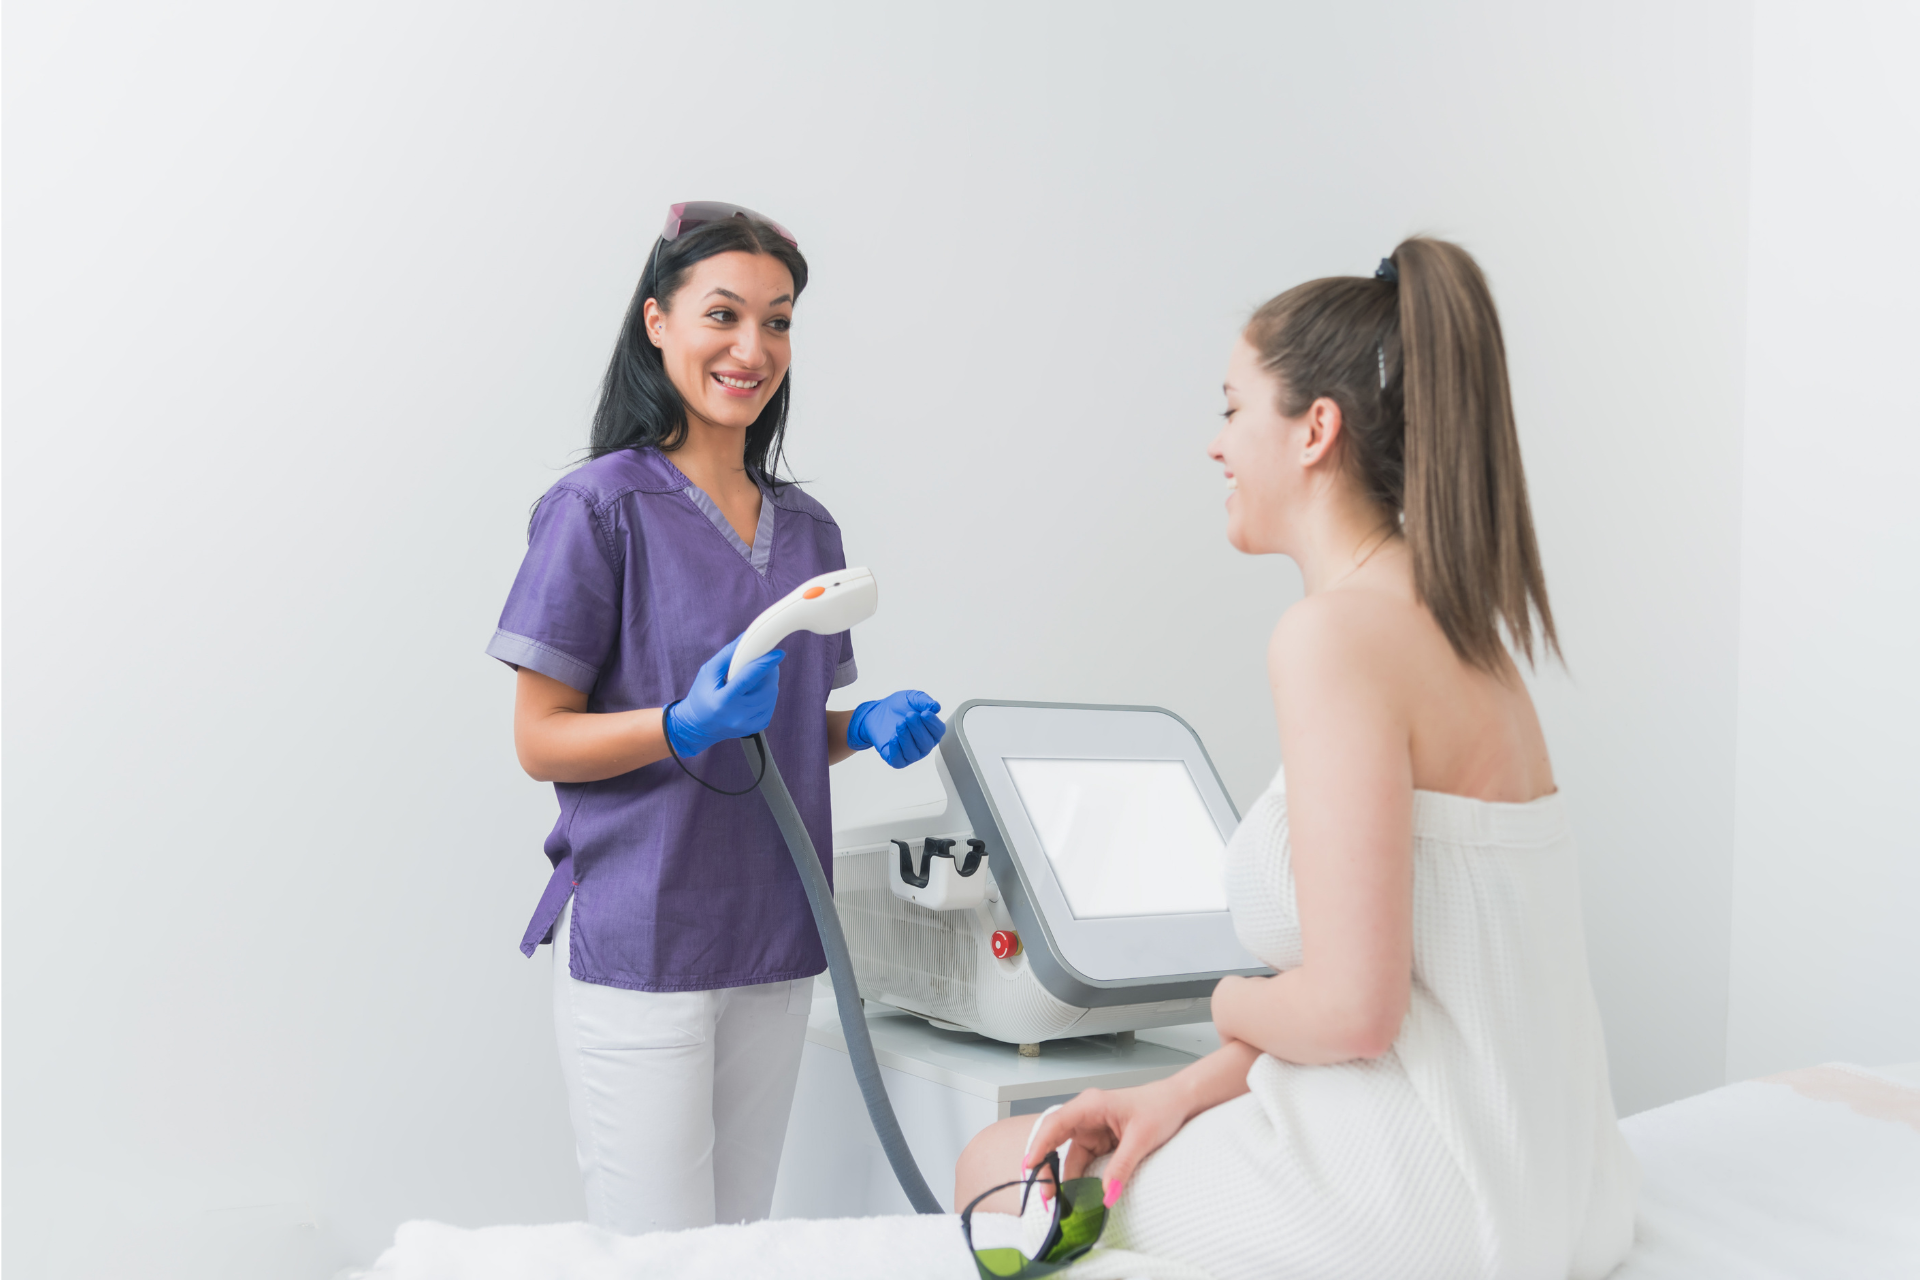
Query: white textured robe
[1483, 1144]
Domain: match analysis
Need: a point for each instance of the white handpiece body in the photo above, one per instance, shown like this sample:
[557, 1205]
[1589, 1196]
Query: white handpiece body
[830, 603]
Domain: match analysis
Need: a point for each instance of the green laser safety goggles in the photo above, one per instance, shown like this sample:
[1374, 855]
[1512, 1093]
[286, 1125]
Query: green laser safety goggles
[1079, 1216]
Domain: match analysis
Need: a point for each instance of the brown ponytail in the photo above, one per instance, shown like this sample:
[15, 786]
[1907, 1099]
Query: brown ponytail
[1419, 371]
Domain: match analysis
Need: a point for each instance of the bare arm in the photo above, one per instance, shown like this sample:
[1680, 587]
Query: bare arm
[1219, 1077]
[559, 740]
[837, 748]
[1346, 742]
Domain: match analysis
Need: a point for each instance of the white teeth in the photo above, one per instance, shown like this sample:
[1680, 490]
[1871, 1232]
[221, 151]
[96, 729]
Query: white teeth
[1232, 484]
[735, 382]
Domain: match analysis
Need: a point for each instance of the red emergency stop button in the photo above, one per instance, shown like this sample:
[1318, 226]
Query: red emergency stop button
[1006, 944]
[813, 593]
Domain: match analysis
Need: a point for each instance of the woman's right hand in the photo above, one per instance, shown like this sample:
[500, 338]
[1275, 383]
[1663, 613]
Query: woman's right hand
[716, 709]
[1130, 1124]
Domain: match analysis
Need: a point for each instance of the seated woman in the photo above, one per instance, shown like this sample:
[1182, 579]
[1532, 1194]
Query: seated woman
[1421, 1089]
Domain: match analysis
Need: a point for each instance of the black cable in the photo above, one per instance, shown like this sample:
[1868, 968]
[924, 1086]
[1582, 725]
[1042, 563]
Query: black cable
[667, 734]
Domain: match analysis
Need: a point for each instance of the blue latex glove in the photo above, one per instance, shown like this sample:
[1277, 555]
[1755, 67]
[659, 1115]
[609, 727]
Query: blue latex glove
[902, 727]
[714, 710]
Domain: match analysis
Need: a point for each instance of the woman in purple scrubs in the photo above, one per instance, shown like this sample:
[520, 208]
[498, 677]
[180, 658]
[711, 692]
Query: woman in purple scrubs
[684, 949]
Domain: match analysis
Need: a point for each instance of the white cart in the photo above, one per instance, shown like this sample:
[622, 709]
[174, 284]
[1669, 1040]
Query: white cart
[946, 1086]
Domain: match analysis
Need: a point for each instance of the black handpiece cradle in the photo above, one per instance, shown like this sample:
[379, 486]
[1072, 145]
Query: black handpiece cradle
[937, 847]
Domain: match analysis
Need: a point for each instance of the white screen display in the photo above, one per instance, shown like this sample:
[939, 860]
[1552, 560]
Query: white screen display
[1124, 837]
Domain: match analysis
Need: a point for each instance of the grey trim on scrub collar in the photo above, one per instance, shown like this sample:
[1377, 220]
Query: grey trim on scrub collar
[761, 552]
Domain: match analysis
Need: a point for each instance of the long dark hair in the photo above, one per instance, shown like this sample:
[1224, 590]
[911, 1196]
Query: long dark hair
[639, 406]
[1419, 369]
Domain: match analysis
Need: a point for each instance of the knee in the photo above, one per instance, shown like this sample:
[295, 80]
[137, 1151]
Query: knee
[992, 1157]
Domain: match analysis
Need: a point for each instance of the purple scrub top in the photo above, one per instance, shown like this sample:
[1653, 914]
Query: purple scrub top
[633, 578]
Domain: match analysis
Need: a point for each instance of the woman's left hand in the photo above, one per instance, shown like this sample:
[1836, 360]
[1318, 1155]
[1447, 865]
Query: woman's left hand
[902, 727]
[1131, 1124]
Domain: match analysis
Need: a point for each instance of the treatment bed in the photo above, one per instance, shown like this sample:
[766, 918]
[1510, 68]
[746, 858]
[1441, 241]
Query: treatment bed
[1813, 1173]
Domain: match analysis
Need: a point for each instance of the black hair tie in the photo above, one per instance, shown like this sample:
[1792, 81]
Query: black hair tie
[1387, 271]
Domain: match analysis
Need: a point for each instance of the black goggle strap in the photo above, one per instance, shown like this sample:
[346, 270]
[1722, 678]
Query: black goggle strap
[1078, 1217]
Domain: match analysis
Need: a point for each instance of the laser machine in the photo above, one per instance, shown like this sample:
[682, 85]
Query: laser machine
[1071, 883]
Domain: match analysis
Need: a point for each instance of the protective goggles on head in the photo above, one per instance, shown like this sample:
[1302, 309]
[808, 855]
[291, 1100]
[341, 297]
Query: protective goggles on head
[1078, 1217]
[682, 218]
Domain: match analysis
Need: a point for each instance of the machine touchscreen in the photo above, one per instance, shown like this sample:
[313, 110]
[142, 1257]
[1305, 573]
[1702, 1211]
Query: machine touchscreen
[1106, 832]
[1124, 837]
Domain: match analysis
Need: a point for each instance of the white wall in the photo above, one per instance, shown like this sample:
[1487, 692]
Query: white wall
[305, 306]
[1826, 955]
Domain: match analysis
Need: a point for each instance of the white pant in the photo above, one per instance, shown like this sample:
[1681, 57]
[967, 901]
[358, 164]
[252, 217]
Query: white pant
[679, 1099]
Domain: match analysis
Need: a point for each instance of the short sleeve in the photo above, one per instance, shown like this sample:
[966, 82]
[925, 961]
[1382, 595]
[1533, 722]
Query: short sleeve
[562, 617]
[847, 672]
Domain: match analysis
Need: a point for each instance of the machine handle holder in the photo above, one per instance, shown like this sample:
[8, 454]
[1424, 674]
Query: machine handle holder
[949, 884]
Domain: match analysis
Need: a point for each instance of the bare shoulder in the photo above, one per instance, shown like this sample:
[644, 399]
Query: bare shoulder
[1366, 634]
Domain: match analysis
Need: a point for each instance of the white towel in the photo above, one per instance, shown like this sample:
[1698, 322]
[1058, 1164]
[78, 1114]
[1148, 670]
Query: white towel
[1812, 1174]
[921, 1247]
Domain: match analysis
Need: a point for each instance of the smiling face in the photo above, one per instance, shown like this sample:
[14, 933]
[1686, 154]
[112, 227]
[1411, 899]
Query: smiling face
[725, 340]
[1266, 456]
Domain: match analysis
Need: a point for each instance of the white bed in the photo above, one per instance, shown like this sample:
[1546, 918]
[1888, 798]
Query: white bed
[1814, 1173]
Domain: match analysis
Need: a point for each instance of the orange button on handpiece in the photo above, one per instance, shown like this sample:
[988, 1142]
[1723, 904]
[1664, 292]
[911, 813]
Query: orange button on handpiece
[1006, 944]
[813, 592]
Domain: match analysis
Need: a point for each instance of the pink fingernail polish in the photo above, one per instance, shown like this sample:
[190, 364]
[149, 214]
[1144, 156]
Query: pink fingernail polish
[1113, 1192]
